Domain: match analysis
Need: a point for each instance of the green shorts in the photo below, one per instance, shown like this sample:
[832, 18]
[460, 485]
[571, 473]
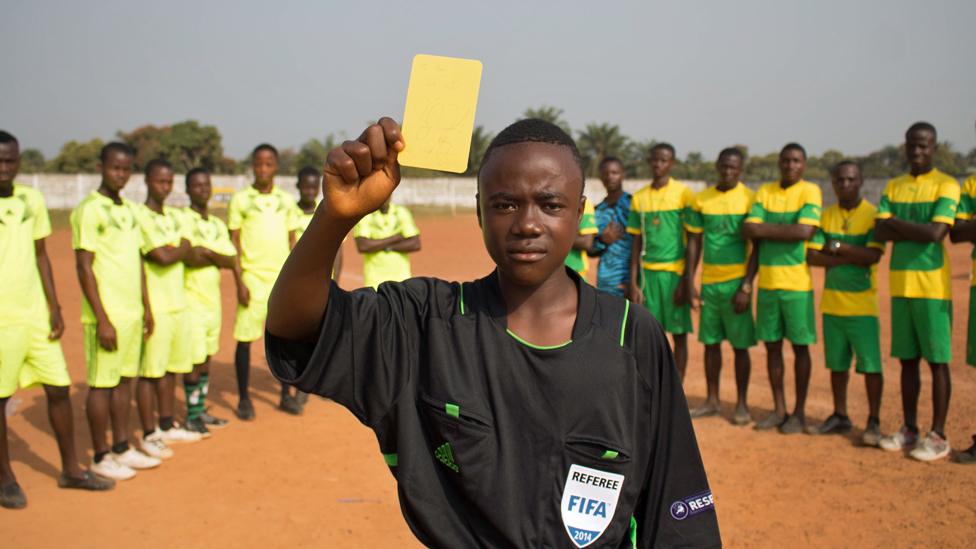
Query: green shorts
[971, 335]
[719, 321]
[107, 368]
[168, 348]
[921, 328]
[786, 313]
[845, 337]
[658, 290]
[205, 335]
[29, 358]
[249, 322]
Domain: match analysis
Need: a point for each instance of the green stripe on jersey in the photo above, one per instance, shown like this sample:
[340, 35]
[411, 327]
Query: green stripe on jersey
[848, 278]
[391, 459]
[782, 254]
[452, 410]
[723, 242]
[663, 234]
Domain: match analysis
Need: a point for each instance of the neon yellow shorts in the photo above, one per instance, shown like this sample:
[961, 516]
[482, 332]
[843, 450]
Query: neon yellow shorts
[205, 336]
[168, 348]
[29, 358]
[249, 322]
[107, 368]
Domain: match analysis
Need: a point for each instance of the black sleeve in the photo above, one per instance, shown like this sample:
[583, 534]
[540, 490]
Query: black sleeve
[366, 349]
[675, 508]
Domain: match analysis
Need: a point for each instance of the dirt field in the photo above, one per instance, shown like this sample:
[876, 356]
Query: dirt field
[319, 480]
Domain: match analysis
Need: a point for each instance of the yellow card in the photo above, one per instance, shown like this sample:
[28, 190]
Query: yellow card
[437, 122]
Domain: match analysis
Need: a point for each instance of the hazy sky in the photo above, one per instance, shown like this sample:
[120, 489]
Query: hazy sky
[830, 74]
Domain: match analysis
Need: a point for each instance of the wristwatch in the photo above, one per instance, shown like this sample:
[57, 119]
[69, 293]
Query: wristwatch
[746, 287]
[834, 246]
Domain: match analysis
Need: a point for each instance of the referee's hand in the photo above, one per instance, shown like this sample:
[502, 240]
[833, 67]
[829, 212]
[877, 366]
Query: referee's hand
[360, 175]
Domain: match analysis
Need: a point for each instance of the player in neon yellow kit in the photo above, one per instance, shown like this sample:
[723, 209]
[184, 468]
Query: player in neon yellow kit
[849, 303]
[261, 220]
[167, 351]
[115, 312]
[210, 251]
[31, 326]
[385, 237]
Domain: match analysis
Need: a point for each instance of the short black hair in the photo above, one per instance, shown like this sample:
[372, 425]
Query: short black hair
[7, 138]
[608, 159]
[115, 147]
[264, 147]
[846, 162]
[922, 126]
[793, 147]
[533, 130]
[662, 145]
[193, 173]
[155, 164]
[731, 151]
[307, 171]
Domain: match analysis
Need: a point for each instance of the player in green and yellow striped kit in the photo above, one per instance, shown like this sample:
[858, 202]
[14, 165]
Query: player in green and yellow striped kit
[916, 212]
[783, 220]
[261, 220]
[849, 303]
[658, 271]
[210, 251]
[714, 225]
[577, 259]
[965, 231]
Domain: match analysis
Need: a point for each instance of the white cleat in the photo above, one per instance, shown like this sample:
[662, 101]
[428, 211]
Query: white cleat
[136, 460]
[154, 446]
[178, 434]
[110, 468]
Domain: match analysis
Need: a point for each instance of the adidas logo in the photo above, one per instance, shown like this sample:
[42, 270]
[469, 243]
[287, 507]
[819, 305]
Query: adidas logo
[444, 454]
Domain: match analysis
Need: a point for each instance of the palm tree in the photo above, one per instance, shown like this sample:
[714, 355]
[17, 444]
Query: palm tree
[598, 141]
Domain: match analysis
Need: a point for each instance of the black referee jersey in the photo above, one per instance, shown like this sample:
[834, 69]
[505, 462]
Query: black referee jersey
[495, 442]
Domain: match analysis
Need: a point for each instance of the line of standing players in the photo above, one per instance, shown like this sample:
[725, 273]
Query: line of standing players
[651, 243]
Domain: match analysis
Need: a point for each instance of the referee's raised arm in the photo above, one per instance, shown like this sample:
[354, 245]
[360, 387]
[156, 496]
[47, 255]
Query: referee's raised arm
[358, 177]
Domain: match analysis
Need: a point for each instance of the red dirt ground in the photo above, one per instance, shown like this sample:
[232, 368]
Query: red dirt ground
[319, 480]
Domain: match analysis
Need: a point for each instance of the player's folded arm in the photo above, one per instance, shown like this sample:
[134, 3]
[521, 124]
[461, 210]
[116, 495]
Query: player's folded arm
[366, 348]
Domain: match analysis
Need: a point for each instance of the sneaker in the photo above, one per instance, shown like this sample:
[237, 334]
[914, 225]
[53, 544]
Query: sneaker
[134, 460]
[903, 439]
[794, 424]
[11, 496]
[197, 426]
[155, 446]
[109, 467]
[301, 397]
[245, 410]
[212, 422]
[741, 417]
[931, 448]
[836, 423]
[179, 434]
[289, 405]
[872, 434]
[772, 421]
[88, 481]
[705, 410]
[968, 456]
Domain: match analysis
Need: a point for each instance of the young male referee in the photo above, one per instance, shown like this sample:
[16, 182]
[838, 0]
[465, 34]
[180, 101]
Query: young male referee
[524, 409]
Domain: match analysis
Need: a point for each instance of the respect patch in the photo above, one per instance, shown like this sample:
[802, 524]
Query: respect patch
[691, 506]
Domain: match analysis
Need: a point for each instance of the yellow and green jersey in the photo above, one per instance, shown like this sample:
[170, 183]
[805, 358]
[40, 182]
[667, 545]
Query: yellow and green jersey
[265, 221]
[850, 290]
[718, 216]
[783, 265]
[23, 219]
[302, 220]
[967, 212]
[386, 266]
[202, 284]
[111, 232]
[920, 269]
[164, 283]
[577, 260]
[659, 215]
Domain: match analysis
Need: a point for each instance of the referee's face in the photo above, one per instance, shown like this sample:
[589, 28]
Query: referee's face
[529, 207]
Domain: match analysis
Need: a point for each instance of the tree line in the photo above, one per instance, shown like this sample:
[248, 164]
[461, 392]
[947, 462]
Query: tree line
[190, 144]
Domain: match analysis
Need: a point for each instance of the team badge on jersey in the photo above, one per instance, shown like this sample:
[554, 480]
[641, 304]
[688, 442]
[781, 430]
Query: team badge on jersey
[589, 501]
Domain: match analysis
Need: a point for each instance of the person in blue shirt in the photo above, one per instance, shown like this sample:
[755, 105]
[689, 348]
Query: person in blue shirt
[612, 243]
